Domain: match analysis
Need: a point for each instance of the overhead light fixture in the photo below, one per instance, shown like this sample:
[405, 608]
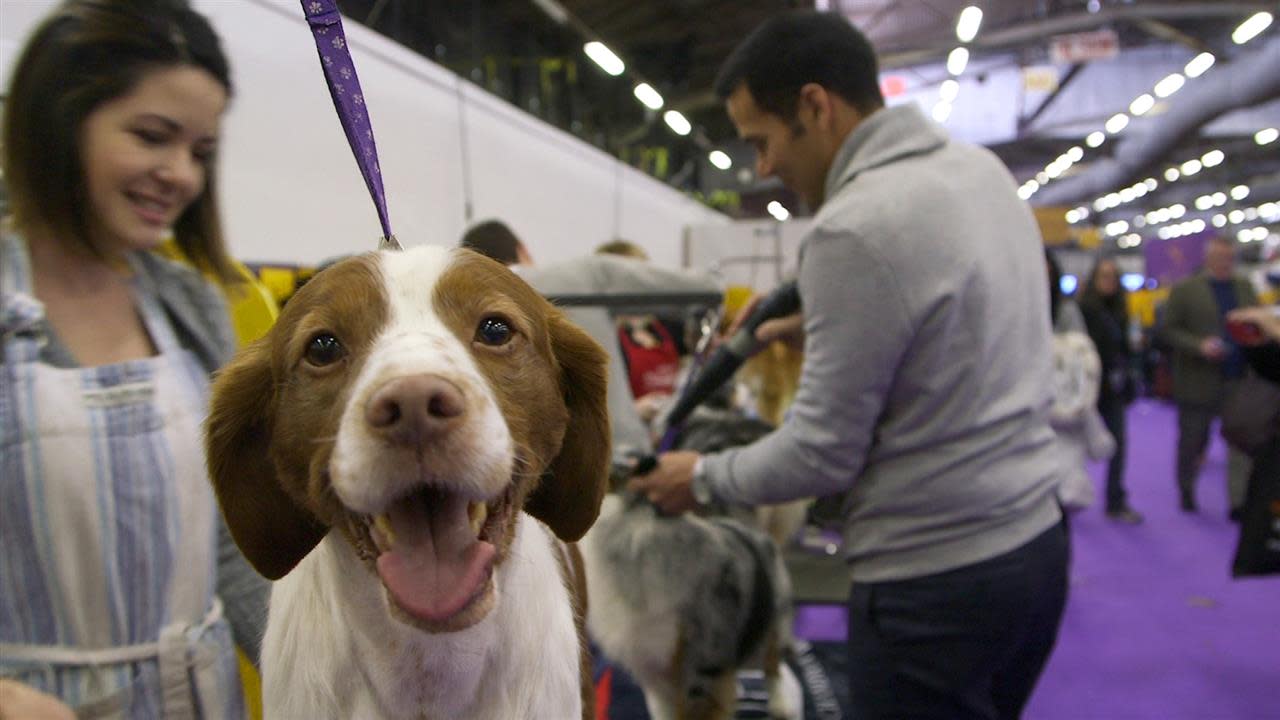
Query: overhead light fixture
[677, 122]
[970, 21]
[1219, 220]
[1266, 136]
[1095, 138]
[1212, 158]
[1172, 174]
[1116, 123]
[1251, 28]
[1142, 104]
[957, 60]
[1150, 184]
[1075, 154]
[949, 90]
[942, 111]
[604, 57]
[1239, 192]
[778, 211]
[1199, 64]
[646, 94]
[1191, 167]
[554, 10]
[1170, 85]
[720, 159]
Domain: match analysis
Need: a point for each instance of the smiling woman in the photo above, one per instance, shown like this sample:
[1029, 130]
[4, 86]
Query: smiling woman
[110, 138]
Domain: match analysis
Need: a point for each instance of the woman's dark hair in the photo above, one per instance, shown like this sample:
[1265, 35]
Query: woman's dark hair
[1055, 285]
[791, 50]
[86, 53]
[493, 239]
[1115, 303]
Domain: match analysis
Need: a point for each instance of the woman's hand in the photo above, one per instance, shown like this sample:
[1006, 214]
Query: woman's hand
[23, 702]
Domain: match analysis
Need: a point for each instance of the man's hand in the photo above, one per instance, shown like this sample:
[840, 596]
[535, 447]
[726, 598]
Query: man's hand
[1213, 348]
[668, 484]
[789, 329]
[23, 702]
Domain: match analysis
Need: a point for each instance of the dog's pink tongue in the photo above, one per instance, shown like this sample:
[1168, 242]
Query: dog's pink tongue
[436, 565]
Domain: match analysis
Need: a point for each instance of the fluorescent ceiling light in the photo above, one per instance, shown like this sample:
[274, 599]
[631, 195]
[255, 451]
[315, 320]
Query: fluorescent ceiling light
[777, 210]
[604, 57]
[1170, 85]
[720, 159]
[942, 111]
[970, 21]
[1239, 192]
[1212, 158]
[957, 60]
[1075, 154]
[1172, 174]
[677, 122]
[646, 94]
[1199, 64]
[1095, 138]
[1118, 122]
[1266, 136]
[1142, 104]
[949, 90]
[1191, 167]
[1249, 29]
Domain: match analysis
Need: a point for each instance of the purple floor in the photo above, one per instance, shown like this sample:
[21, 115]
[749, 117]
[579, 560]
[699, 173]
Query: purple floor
[1155, 628]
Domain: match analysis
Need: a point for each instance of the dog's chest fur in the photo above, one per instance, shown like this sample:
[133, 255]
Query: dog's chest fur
[331, 650]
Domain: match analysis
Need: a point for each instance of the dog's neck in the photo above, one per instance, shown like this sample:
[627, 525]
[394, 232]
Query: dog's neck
[373, 665]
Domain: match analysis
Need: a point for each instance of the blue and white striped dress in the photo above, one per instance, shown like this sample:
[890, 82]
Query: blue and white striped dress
[107, 523]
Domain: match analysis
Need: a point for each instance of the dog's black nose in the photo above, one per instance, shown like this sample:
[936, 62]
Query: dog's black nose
[409, 410]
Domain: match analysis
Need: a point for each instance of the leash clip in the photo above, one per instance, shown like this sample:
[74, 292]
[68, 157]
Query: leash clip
[389, 242]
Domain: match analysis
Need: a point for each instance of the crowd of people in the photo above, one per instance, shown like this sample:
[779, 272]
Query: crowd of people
[925, 395]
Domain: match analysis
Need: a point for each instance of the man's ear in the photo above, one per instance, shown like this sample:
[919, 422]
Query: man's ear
[273, 532]
[569, 494]
[813, 106]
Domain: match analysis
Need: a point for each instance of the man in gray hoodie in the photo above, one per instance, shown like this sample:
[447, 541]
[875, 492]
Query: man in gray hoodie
[926, 386]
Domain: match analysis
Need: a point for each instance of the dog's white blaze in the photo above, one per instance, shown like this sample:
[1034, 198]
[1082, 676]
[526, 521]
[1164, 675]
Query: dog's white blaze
[478, 460]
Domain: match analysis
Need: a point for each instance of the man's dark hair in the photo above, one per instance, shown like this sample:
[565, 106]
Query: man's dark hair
[493, 239]
[789, 51]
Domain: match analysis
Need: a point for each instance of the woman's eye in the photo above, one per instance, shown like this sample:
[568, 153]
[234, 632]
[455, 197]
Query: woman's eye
[324, 349]
[149, 137]
[493, 331]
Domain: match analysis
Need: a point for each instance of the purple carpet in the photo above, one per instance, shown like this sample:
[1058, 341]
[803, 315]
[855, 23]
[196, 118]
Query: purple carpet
[1155, 628]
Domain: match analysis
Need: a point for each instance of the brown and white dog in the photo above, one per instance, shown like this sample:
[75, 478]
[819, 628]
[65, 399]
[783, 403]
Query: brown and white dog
[407, 451]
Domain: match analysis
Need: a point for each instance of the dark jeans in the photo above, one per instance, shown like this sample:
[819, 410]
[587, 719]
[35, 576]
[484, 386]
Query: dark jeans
[966, 643]
[1113, 416]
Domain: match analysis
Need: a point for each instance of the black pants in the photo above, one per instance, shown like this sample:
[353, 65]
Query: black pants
[1112, 412]
[966, 643]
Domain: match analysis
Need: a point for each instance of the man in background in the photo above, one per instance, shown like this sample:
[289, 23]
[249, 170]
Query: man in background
[926, 384]
[493, 239]
[1207, 364]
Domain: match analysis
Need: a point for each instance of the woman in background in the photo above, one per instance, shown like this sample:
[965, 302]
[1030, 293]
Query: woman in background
[1106, 315]
[119, 586]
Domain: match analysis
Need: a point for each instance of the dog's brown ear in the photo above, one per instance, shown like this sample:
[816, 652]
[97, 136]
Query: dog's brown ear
[273, 532]
[568, 497]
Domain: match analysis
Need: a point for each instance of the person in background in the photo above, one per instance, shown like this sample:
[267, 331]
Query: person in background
[1206, 364]
[926, 384]
[1106, 315]
[648, 346]
[493, 239]
[121, 590]
[1077, 373]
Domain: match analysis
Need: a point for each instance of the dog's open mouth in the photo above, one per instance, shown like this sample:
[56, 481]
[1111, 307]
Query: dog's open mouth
[436, 554]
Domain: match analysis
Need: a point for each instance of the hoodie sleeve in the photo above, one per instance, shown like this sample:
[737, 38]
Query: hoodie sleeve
[857, 328]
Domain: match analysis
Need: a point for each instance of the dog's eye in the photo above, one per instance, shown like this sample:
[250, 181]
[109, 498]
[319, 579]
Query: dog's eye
[324, 349]
[493, 331]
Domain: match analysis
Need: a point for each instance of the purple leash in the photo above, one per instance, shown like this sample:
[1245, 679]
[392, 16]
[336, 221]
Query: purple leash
[344, 88]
